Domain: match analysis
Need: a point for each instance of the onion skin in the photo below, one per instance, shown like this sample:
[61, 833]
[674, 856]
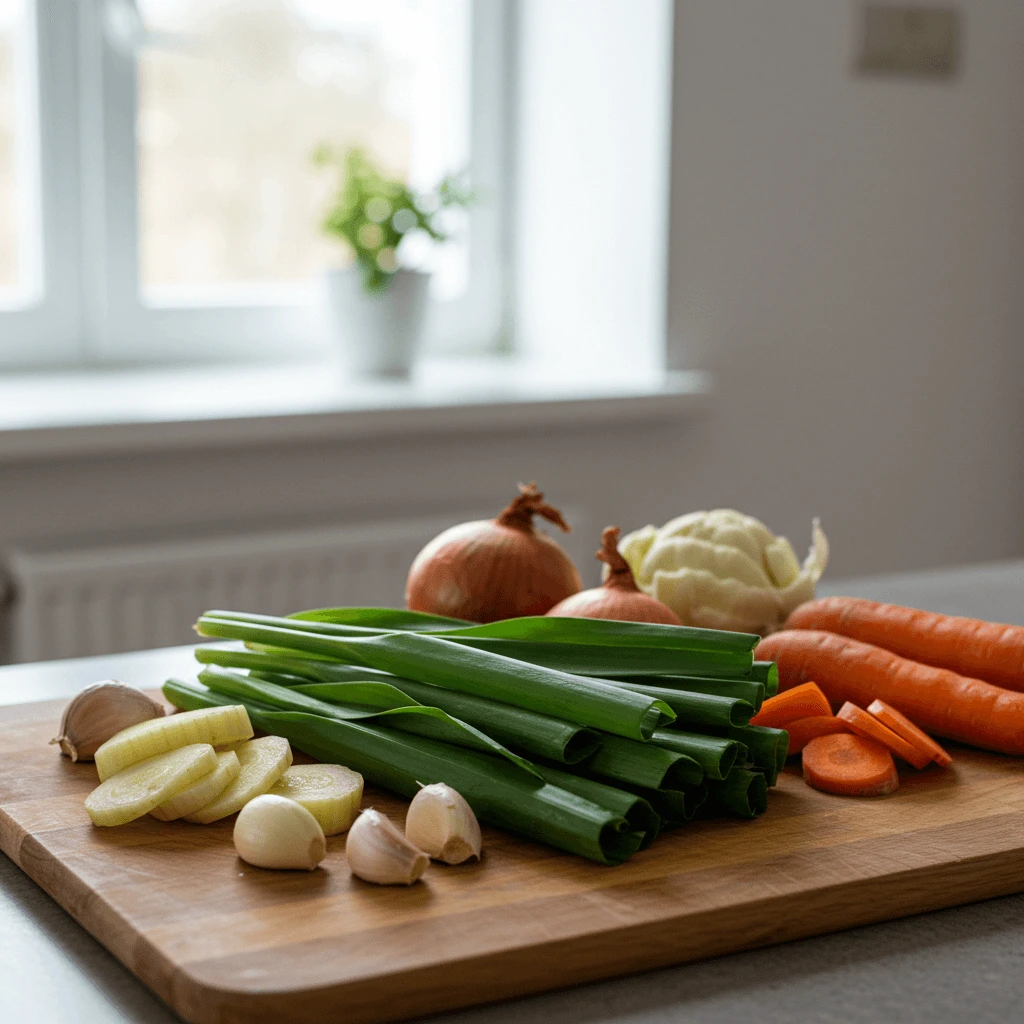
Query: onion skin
[495, 569]
[618, 597]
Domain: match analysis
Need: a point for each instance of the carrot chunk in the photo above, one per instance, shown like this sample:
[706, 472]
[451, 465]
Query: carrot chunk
[903, 726]
[803, 730]
[870, 727]
[802, 701]
[849, 766]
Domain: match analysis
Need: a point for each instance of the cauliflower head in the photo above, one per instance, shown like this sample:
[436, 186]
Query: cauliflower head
[724, 570]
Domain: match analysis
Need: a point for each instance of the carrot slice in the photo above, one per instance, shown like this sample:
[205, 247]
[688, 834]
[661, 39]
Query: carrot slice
[867, 725]
[903, 726]
[803, 730]
[803, 701]
[849, 766]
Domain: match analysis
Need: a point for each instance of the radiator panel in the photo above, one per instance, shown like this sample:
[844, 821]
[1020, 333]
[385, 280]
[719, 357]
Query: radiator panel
[135, 596]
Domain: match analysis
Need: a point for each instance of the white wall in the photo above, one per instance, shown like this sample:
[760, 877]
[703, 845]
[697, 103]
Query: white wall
[848, 254]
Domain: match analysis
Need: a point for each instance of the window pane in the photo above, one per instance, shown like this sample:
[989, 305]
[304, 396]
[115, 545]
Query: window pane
[15, 193]
[234, 96]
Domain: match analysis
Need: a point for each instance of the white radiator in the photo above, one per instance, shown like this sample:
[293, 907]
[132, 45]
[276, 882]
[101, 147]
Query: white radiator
[102, 600]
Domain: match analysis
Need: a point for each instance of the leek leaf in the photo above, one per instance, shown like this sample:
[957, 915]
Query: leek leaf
[699, 708]
[643, 764]
[715, 755]
[743, 793]
[408, 715]
[637, 811]
[750, 690]
[542, 629]
[430, 659]
[534, 733]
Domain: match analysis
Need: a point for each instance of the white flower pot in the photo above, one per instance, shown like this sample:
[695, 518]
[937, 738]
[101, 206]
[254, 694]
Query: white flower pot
[379, 333]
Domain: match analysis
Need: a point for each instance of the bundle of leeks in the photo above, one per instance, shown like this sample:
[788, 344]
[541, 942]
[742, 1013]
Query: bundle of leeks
[589, 735]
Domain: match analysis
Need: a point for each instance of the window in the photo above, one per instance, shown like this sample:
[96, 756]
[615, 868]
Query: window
[179, 217]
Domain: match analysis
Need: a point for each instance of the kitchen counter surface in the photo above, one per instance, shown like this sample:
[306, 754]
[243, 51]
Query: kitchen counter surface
[956, 965]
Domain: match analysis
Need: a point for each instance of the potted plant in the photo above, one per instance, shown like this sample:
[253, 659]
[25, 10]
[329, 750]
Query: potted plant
[377, 306]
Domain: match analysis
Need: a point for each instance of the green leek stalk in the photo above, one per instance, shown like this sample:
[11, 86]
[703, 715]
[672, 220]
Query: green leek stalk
[307, 668]
[499, 792]
[766, 672]
[404, 713]
[529, 731]
[602, 662]
[429, 659]
[701, 708]
[715, 755]
[543, 629]
[768, 748]
[591, 647]
[643, 764]
[387, 620]
[743, 793]
[635, 809]
[583, 660]
[749, 690]
[675, 807]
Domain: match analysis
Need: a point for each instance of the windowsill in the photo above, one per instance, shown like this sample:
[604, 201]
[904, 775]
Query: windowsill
[56, 414]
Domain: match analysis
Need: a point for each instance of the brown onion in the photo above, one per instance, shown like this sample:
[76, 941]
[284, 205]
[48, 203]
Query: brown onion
[495, 569]
[618, 597]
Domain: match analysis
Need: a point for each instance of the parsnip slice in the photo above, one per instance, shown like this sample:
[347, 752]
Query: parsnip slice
[203, 792]
[158, 735]
[148, 783]
[331, 793]
[263, 762]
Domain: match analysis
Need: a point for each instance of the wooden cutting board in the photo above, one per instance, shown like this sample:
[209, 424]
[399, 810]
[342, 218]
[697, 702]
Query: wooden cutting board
[223, 942]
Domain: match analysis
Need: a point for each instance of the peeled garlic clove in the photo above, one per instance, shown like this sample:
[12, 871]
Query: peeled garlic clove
[99, 712]
[442, 824]
[275, 832]
[378, 852]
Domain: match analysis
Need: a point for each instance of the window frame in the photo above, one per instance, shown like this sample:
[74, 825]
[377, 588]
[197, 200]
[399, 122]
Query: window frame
[91, 309]
[43, 329]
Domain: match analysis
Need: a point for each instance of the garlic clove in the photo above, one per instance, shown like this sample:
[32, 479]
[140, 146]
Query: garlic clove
[378, 852]
[275, 832]
[99, 712]
[442, 824]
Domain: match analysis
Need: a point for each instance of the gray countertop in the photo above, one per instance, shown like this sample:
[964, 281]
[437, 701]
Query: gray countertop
[964, 964]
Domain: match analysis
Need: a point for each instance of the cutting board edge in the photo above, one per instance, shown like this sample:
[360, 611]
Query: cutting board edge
[569, 962]
[563, 963]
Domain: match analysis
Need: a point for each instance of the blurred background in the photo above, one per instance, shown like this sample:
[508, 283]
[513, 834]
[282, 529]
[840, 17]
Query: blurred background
[707, 253]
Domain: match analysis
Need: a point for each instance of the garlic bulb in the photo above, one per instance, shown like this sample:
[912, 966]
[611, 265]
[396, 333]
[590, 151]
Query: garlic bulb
[99, 712]
[378, 852]
[441, 823]
[275, 832]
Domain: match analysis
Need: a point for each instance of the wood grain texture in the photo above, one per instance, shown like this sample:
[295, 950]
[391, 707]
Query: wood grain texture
[224, 942]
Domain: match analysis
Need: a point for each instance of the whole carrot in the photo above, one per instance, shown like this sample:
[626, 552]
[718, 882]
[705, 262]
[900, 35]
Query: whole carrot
[971, 647]
[935, 699]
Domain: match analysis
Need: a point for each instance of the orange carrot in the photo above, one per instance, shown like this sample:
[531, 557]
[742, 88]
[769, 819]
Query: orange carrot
[849, 766]
[799, 702]
[969, 647]
[863, 724]
[902, 726]
[803, 730]
[936, 700]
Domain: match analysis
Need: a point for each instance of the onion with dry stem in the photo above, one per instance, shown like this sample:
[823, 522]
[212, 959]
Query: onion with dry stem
[494, 569]
[618, 597]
